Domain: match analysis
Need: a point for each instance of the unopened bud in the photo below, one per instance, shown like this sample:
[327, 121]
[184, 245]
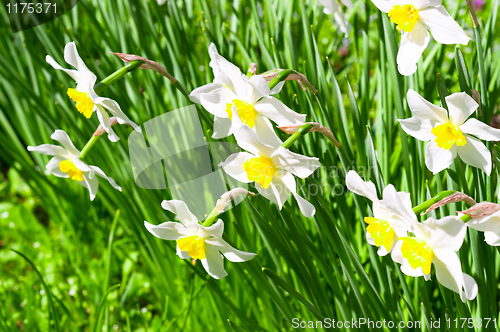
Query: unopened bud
[316, 127]
[296, 76]
[482, 209]
[453, 198]
[148, 64]
[227, 197]
[253, 69]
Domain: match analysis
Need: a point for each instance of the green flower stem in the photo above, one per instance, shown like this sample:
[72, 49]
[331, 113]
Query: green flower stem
[282, 75]
[131, 66]
[88, 146]
[211, 219]
[427, 204]
[298, 134]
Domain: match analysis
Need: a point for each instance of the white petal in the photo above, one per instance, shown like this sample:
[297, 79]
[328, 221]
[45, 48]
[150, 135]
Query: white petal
[53, 167]
[82, 75]
[222, 67]
[233, 166]
[214, 230]
[449, 273]
[391, 201]
[294, 163]
[481, 130]
[234, 255]
[265, 131]
[412, 46]
[63, 138]
[216, 101]
[261, 88]
[81, 165]
[355, 184]
[486, 223]
[48, 149]
[278, 112]
[214, 263]
[470, 287]
[425, 110]
[71, 72]
[448, 232]
[421, 4]
[437, 158]
[277, 192]
[307, 209]
[493, 238]
[71, 56]
[247, 139]
[115, 110]
[195, 95]
[475, 153]
[104, 120]
[385, 5]
[442, 26]
[222, 127]
[420, 129]
[167, 231]
[112, 182]
[182, 254]
[180, 209]
[460, 106]
[92, 184]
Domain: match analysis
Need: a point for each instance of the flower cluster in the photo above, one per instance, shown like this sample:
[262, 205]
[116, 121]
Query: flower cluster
[67, 160]
[417, 246]
[244, 107]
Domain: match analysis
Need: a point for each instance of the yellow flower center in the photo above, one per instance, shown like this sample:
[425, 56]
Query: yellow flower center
[418, 253]
[67, 166]
[245, 110]
[381, 232]
[84, 104]
[194, 245]
[447, 135]
[260, 170]
[405, 16]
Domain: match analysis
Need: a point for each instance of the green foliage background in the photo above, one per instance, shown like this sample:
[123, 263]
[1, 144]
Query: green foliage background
[82, 248]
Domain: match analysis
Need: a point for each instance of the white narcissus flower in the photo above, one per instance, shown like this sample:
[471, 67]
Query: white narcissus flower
[413, 19]
[66, 163]
[385, 227]
[436, 242]
[334, 7]
[270, 167]
[196, 241]
[250, 96]
[450, 132]
[87, 101]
